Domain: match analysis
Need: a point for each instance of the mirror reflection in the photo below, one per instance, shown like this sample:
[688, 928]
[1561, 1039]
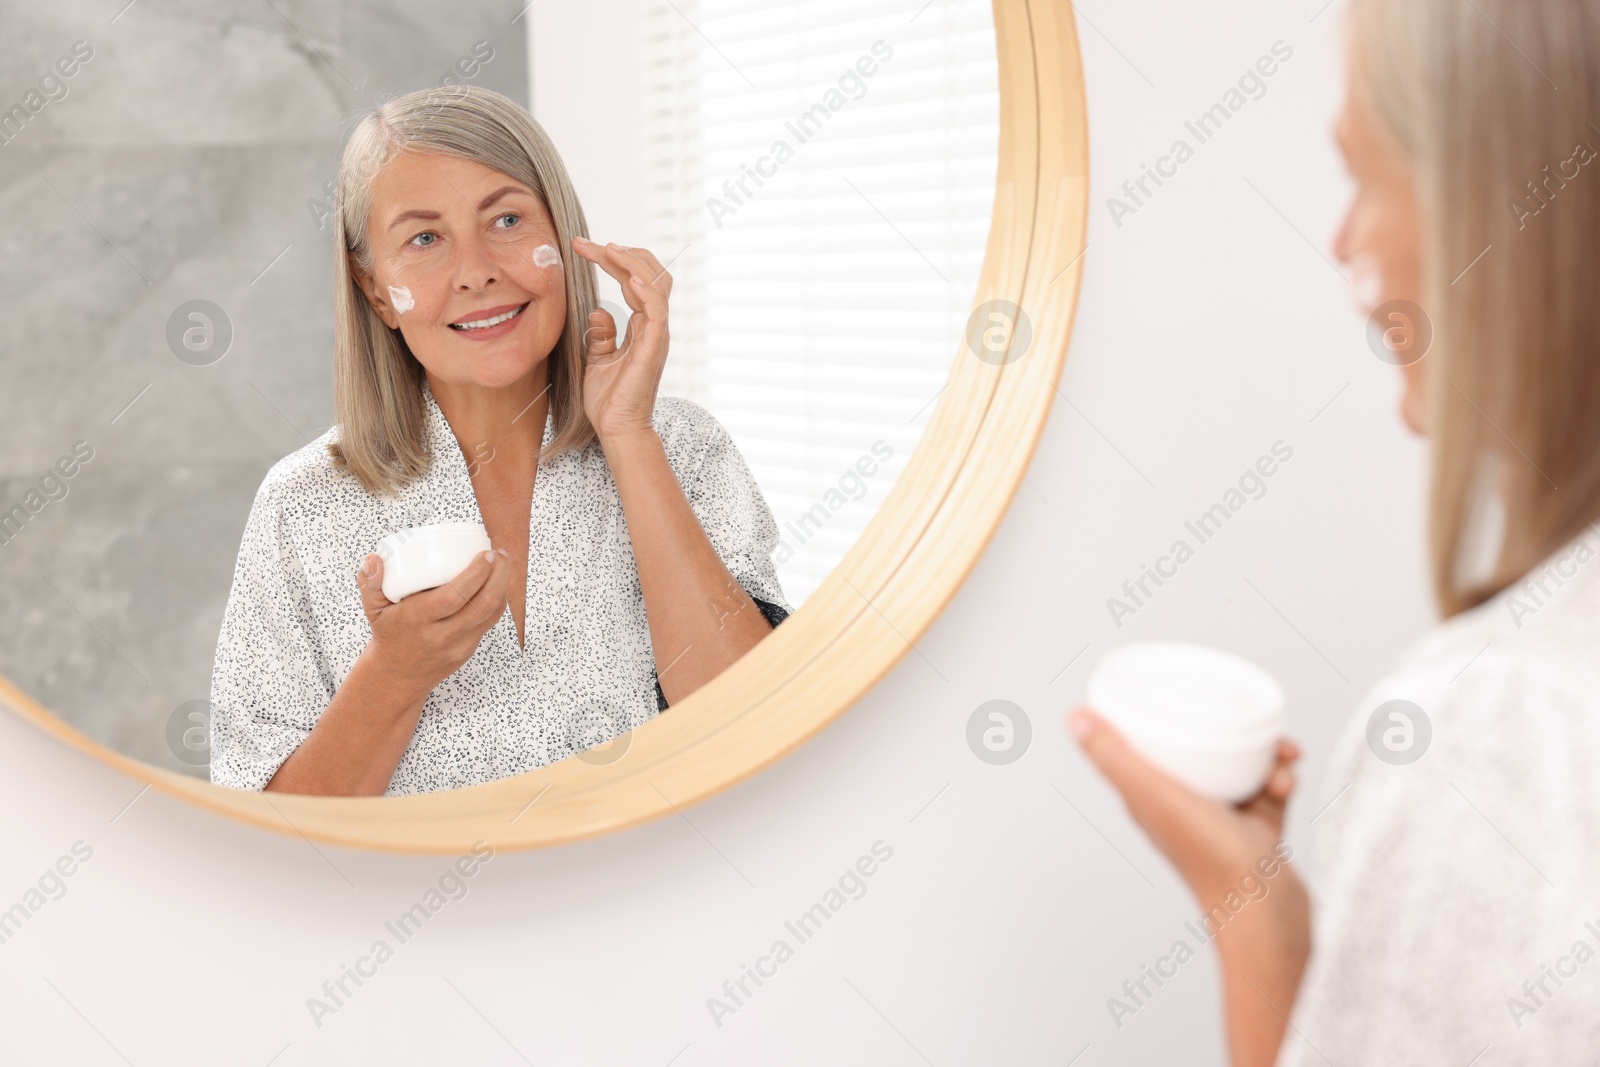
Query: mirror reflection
[454, 415]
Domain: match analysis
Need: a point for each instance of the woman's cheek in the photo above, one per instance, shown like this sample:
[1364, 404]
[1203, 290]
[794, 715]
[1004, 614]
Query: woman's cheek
[401, 298]
[546, 257]
[415, 291]
[553, 311]
[548, 287]
[537, 269]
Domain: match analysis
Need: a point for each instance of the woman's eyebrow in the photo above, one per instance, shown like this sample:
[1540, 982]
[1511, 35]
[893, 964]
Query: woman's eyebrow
[483, 205]
[414, 213]
[488, 201]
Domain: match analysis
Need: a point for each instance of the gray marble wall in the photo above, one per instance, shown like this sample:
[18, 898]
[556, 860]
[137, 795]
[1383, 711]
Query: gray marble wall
[183, 159]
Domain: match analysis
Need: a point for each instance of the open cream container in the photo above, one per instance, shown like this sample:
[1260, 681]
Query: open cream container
[1207, 717]
[427, 556]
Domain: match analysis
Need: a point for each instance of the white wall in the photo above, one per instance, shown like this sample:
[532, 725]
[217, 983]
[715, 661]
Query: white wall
[1209, 328]
[601, 140]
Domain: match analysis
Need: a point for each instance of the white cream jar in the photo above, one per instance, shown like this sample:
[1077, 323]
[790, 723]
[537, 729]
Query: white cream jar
[1209, 718]
[424, 557]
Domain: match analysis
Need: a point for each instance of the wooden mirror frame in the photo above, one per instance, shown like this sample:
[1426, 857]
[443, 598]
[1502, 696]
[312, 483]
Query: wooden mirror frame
[898, 577]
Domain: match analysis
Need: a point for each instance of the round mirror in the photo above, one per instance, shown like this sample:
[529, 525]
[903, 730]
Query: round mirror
[872, 225]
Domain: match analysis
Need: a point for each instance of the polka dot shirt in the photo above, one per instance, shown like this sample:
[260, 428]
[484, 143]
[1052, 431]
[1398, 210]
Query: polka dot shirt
[294, 626]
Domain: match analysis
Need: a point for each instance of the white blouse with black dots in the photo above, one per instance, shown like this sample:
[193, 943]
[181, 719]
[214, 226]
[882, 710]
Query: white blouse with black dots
[294, 626]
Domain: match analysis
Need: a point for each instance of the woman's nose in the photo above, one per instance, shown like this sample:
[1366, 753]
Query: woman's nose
[475, 264]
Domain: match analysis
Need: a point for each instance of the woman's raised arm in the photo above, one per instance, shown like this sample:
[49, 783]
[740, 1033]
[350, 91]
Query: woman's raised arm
[701, 619]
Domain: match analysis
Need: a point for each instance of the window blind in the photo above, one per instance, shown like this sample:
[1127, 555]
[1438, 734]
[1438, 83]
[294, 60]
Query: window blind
[821, 176]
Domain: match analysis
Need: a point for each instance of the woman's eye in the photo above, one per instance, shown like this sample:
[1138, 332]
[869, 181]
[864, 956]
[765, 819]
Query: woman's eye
[512, 215]
[420, 243]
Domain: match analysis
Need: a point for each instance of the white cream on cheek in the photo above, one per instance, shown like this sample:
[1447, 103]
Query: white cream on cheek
[401, 298]
[546, 256]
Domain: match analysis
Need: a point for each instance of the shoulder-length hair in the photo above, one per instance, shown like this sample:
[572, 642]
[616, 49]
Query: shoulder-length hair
[1492, 99]
[378, 402]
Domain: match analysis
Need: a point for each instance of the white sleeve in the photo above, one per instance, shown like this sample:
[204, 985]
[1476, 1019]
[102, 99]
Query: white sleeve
[267, 686]
[728, 502]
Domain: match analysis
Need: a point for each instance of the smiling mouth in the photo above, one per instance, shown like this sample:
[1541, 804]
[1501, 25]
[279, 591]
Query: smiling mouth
[484, 324]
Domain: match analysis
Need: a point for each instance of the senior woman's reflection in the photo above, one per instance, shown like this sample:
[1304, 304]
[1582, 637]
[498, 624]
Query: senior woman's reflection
[476, 380]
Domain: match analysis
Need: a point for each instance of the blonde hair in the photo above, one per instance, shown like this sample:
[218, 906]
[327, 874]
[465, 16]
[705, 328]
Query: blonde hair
[378, 402]
[1514, 378]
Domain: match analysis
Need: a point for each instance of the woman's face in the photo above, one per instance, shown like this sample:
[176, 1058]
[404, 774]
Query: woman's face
[456, 243]
[1381, 236]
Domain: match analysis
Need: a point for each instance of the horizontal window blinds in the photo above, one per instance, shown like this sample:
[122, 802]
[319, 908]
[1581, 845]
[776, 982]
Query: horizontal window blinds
[821, 176]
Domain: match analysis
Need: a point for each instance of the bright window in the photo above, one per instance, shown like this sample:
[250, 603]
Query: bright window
[824, 174]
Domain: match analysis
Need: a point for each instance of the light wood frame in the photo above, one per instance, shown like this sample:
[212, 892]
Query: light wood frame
[885, 594]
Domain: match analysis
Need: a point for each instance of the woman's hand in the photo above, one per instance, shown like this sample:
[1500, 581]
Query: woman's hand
[1264, 946]
[362, 734]
[1210, 843]
[426, 637]
[619, 383]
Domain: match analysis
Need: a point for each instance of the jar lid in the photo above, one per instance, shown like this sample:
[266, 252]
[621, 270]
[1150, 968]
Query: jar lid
[431, 534]
[1186, 694]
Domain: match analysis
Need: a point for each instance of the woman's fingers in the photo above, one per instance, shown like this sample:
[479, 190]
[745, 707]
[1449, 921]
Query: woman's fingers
[444, 601]
[1156, 800]
[1110, 751]
[1271, 803]
[600, 339]
[600, 255]
[652, 323]
[627, 392]
[652, 300]
[1281, 779]
[623, 264]
[1209, 842]
[645, 265]
[369, 579]
[646, 286]
[489, 602]
[438, 629]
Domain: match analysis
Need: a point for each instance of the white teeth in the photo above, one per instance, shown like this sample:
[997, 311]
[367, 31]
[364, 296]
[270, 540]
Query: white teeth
[483, 324]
